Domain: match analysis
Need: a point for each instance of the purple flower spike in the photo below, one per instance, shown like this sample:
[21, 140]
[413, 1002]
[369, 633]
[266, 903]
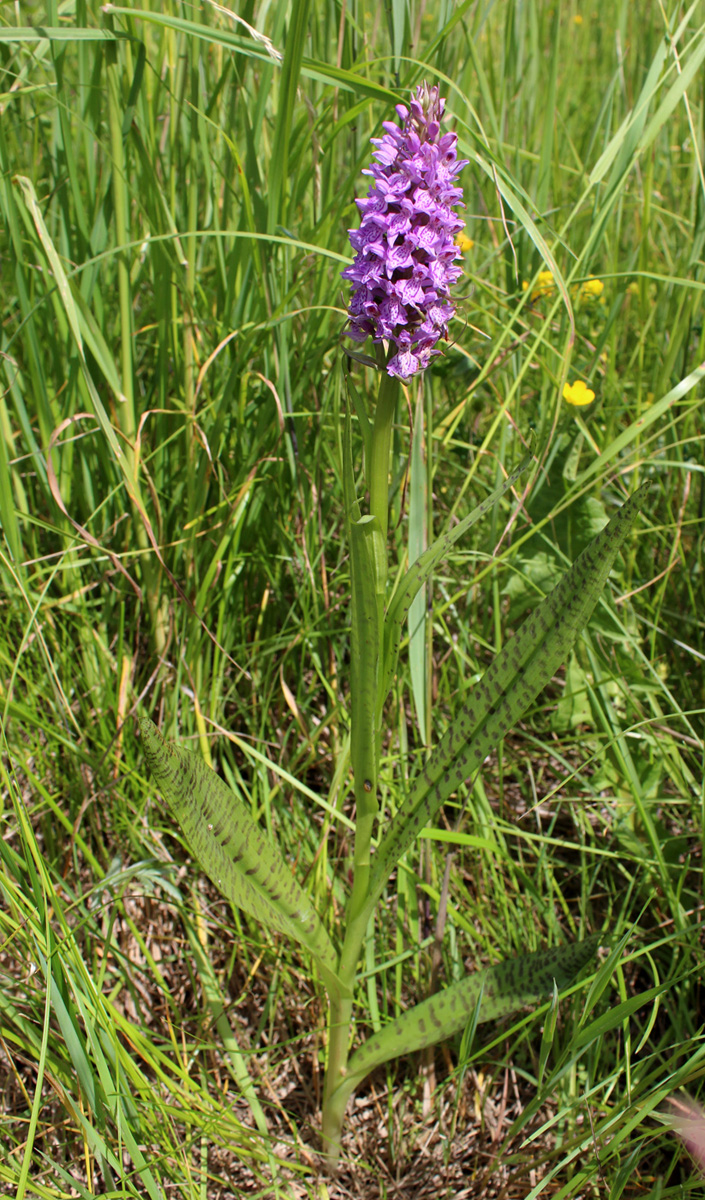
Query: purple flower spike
[405, 250]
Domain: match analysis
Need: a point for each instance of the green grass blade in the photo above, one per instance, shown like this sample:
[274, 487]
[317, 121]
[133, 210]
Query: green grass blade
[524, 218]
[315, 69]
[54, 33]
[231, 847]
[674, 96]
[30, 198]
[422, 569]
[497, 990]
[291, 68]
[549, 118]
[512, 682]
[630, 436]
[8, 516]
[218, 1007]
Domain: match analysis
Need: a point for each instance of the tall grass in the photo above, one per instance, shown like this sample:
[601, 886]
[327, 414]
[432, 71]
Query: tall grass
[176, 184]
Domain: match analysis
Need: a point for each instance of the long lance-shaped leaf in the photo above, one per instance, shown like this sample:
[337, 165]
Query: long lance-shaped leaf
[510, 684]
[233, 850]
[483, 996]
[420, 571]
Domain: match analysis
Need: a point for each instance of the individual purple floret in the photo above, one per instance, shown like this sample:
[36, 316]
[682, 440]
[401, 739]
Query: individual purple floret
[405, 250]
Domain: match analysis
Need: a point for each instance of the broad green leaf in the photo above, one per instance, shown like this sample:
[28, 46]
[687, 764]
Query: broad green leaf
[517, 675]
[233, 850]
[483, 996]
[420, 571]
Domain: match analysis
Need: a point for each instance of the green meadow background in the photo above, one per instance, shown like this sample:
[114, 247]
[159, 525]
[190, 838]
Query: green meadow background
[176, 185]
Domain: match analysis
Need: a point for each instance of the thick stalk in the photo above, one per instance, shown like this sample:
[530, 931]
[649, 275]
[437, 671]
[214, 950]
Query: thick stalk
[341, 1021]
[378, 477]
[340, 1028]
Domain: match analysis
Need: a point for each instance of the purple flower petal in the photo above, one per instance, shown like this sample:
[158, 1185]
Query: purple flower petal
[403, 365]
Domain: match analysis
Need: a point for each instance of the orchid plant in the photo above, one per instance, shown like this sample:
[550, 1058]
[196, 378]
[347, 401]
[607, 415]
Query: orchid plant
[405, 265]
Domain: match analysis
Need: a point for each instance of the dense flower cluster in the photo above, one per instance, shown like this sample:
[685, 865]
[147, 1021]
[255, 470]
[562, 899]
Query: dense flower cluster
[405, 250]
[545, 286]
[591, 289]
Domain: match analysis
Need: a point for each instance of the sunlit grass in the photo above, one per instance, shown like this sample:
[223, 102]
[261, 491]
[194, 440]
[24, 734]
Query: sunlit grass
[171, 510]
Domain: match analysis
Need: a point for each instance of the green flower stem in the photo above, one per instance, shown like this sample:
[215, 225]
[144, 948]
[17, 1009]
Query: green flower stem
[340, 1029]
[378, 477]
[341, 1022]
[367, 805]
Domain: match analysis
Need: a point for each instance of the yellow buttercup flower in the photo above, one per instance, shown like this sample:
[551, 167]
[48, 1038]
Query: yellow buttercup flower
[577, 19]
[591, 289]
[544, 286]
[578, 393]
[463, 242]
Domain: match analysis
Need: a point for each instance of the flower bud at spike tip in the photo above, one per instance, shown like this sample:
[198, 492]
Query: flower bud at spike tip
[405, 260]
